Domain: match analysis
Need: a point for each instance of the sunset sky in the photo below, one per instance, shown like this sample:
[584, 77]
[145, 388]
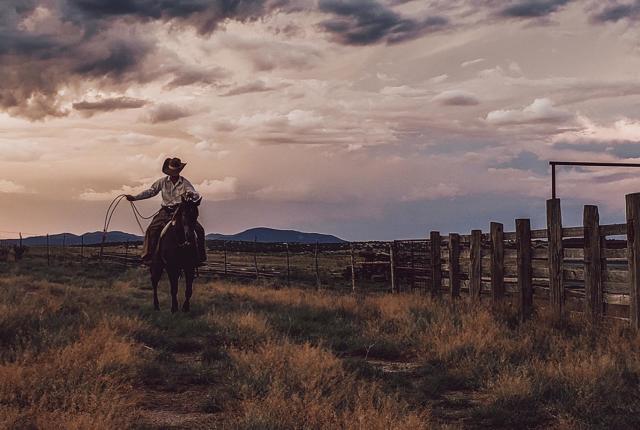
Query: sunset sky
[368, 119]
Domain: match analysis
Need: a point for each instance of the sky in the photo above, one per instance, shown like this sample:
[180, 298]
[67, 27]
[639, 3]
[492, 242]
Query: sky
[367, 119]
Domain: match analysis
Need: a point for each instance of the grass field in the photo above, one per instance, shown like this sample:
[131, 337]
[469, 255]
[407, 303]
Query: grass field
[81, 347]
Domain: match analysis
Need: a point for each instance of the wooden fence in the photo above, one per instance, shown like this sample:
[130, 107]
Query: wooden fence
[591, 268]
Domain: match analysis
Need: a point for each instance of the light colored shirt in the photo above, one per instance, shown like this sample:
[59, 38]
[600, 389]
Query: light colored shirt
[171, 193]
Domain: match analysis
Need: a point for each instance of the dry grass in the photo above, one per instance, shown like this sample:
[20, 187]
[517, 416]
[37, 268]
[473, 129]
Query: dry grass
[294, 386]
[83, 353]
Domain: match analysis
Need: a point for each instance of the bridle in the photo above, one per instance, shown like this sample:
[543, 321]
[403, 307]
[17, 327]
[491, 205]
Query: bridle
[174, 219]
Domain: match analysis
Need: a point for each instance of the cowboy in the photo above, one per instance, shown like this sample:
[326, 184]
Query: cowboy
[173, 187]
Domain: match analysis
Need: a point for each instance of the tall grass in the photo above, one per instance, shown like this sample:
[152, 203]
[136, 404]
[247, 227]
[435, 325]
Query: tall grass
[81, 354]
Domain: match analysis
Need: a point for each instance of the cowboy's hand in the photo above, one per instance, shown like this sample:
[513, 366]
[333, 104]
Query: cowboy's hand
[130, 197]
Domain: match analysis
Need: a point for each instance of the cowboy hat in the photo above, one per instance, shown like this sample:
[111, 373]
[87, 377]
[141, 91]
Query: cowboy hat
[172, 166]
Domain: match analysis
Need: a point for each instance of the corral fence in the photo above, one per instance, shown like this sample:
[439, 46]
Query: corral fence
[591, 268]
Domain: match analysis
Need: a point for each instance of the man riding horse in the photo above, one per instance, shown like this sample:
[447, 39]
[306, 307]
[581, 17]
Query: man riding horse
[173, 187]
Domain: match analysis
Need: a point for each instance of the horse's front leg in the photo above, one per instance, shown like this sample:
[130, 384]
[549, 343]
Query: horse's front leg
[173, 280]
[155, 279]
[188, 277]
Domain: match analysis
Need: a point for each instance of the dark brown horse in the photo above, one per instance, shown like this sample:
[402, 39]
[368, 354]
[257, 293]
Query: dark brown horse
[177, 254]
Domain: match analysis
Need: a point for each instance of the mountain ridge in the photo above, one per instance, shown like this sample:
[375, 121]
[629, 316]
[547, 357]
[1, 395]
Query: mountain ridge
[260, 234]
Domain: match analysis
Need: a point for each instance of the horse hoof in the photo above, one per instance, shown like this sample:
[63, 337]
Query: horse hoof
[174, 309]
[156, 307]
[185, 307]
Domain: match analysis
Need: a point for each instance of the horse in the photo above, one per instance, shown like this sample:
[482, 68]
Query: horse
[177, 253]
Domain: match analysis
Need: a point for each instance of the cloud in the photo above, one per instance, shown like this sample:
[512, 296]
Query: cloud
[366, 22]
[438, 79]
[404, 91]
[167, 112]
[185, 75]
[218, 189]
[48, 47]
[204, 15]
[540, 111]
[472, 62]
[10, 187]
[532, 8]
[432, 192]
[614, 12]
[109, 104]
[13, 151]
[622, 130]
[456, 98]
[98, 196]
[258, 86]
[266, 55]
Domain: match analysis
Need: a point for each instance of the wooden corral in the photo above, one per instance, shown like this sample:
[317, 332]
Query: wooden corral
[591, 268]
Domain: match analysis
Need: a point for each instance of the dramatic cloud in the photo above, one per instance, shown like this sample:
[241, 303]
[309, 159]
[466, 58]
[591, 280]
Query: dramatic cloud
[614, 11]
[110, 104]
[46, 46]
[184, 76]
[364, 118]
[364, 22]
[204, 15]
[540, 111]
[167, 112]
[252, 87]
[456, 98]
[532, 8]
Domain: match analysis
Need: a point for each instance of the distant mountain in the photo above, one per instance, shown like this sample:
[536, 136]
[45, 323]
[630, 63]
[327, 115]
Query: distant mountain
[264, 234]
[93, 238]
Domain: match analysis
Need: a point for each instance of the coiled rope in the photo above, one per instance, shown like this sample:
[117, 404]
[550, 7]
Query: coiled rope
[111, 210]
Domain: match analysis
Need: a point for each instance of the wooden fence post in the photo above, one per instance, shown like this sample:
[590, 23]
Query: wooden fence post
[224, 250]
[255, 257]
[454, 265]
[592, 263]
[317, 267]
[497, 261]
[525, 290]
[436, 264]
[48, 253]
[353, 269]
[392, 266]
[475, 265]
[288, 265]
[82, 248]
[413, 267]
[556, 257]
[633, 252]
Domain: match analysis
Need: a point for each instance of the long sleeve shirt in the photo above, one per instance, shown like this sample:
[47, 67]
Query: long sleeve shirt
[171, 193]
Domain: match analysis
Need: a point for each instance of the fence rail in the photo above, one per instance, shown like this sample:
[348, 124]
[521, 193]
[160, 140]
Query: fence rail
[591, 268]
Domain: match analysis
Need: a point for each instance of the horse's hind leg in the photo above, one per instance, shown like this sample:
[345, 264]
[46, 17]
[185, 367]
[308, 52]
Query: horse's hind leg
[188, 277]
[173, 280]
[155, 279]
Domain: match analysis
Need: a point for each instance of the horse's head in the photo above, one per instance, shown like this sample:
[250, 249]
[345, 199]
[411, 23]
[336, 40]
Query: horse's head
[188, 215]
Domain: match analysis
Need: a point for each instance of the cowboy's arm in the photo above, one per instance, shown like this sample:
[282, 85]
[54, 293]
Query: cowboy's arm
[189, 189]
[146, 194]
